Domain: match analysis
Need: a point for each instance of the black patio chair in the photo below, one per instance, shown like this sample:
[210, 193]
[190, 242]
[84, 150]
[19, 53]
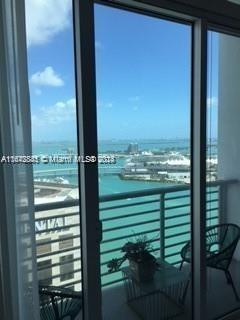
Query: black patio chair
[57, 303]
[221, 242]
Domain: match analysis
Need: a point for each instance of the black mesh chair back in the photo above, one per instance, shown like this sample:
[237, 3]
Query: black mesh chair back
[221, 242]
[59, 303]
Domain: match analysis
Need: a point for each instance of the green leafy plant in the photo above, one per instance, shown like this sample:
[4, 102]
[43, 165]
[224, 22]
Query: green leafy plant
[137, 250]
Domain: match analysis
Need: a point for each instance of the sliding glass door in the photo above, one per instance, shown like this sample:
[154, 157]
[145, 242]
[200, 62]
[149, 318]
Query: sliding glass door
[133, 196]
[144, 86]
[166, 127]
[55, 149]
[143, 78]
[222, 209]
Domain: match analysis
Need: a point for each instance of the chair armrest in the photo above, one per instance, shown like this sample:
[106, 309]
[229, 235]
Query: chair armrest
[59, 292]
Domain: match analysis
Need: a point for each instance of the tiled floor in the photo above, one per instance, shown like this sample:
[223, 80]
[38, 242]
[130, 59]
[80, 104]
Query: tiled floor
[220, 298]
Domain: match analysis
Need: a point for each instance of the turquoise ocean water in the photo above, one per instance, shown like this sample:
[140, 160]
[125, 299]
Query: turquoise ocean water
[108, 184]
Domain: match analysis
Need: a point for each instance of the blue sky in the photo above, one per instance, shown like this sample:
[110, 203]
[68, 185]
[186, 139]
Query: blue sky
[142, 72]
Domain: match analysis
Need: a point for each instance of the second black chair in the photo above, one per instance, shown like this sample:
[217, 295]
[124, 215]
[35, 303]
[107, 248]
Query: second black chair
[221, 242]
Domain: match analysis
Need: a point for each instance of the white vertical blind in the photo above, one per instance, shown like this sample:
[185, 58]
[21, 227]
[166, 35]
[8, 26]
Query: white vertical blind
[17, 241]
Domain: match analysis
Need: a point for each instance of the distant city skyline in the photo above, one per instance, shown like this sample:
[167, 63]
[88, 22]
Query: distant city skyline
[137, 140]
[143, 75]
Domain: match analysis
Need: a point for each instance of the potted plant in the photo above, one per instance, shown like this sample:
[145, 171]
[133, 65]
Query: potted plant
[142, 263]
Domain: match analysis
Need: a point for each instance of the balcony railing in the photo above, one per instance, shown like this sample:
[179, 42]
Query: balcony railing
[163, 214]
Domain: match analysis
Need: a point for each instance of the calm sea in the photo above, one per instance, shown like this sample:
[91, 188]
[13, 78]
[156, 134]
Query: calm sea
[107, 184]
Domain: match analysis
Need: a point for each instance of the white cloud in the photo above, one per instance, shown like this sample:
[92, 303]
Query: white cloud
[45, 19]
[59, 113]
[212, 102]
[47, 77]
[134, 98]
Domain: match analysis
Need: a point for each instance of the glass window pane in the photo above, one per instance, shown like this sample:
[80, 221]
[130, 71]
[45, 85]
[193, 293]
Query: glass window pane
[66, 267]
[49, 26]
[222, 216]
[45, 272]
[143, 69]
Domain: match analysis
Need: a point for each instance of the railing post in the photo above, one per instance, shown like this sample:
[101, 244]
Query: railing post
[222, 203]
[162, 226]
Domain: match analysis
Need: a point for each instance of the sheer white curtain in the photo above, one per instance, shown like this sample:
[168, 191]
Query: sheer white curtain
[18, 275]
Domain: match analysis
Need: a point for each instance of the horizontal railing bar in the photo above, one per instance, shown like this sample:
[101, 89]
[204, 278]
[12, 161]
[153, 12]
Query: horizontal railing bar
[57, 264]
[129, 215]
[212, 218]
[187, 205]
[112, 272]
[187, 214]
[153, 250]
[112, 282]
[177, 234]
[110, 250]
[215, 197]
[175, 244]
[132, 194]
[177, 216]
[64, 214]
[172, 254]
[211, 209]
[135, 224]
[212, 191]
[55, 240]
[124, 237]
[163, 190]
[142, 193]
[106, 262]
[78, 236]
[187, 195]
[104, 274]
[177, 197]
[56, 205]
[114, 239]
[176, 225]
[121, 227]
[71, 283]
[178, 206]
[60, 274]
[58, 228]
[212, 200]
[119, 248]
[187, 223]
[53, 253]
[128, 205]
